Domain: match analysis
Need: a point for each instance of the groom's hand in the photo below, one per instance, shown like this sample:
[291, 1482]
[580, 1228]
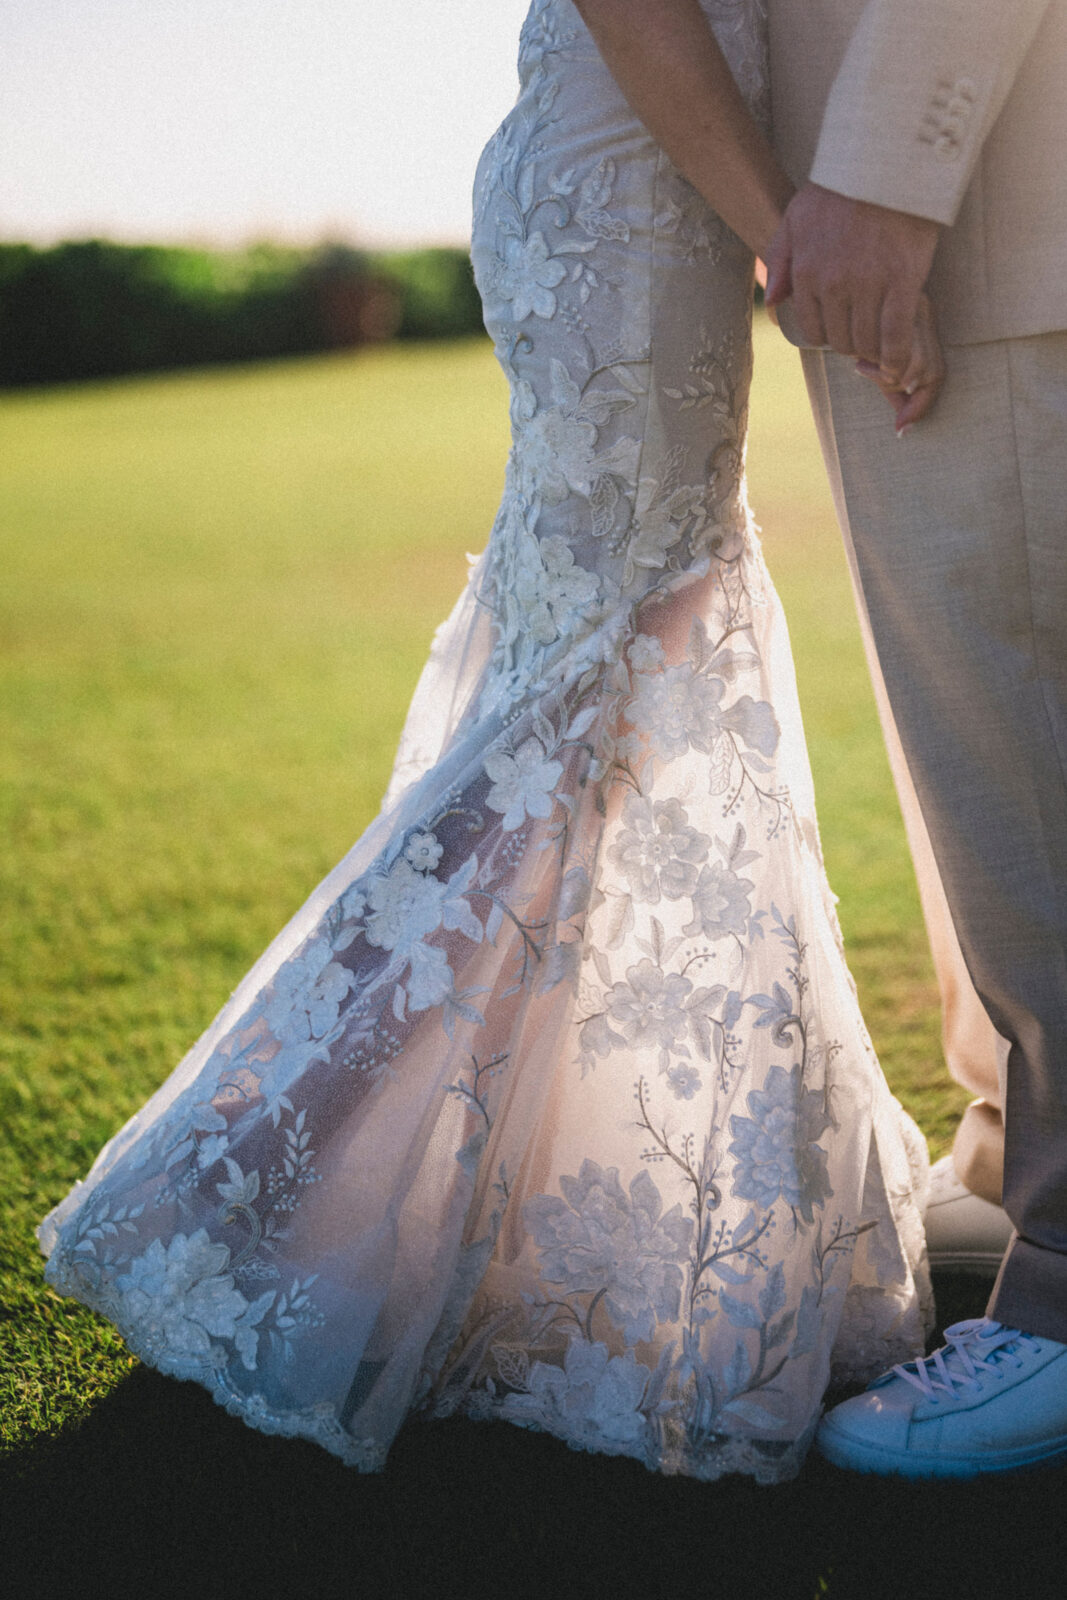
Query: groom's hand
[855, 272]
[914, 395]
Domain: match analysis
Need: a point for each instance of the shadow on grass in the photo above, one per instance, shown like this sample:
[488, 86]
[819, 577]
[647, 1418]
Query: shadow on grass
[160, 1492]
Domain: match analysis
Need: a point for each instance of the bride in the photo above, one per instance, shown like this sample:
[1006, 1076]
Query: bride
[554, 1102]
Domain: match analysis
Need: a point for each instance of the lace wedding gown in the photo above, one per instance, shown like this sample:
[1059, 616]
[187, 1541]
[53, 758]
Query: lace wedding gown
[554, 1102]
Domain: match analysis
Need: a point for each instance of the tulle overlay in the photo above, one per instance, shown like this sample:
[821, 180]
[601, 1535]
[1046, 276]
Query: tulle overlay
[554, 1102]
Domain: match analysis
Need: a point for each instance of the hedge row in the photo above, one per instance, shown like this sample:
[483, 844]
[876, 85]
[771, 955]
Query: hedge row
[94, 309]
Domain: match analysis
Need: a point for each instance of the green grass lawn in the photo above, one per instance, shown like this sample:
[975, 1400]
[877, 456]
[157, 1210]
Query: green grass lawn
[218, 589]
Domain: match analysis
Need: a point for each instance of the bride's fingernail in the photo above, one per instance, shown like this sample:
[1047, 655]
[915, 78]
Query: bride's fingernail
[903, 432]
[911, 388]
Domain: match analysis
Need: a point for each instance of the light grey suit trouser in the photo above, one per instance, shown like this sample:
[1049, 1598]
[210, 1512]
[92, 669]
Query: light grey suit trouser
[958, 540]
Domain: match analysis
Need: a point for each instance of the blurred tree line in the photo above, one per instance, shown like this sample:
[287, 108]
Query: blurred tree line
[93, 309]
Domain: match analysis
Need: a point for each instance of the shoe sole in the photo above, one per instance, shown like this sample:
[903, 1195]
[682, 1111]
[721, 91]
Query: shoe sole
[971, 1264]
[860, 1456]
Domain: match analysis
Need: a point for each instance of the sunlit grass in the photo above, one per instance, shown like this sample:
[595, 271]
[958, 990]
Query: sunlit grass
[217, 591]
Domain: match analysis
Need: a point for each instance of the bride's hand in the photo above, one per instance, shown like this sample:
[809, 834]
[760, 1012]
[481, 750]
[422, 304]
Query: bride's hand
[915, 394]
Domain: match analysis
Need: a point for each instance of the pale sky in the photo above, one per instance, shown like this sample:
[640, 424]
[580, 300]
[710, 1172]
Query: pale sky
[226, 120]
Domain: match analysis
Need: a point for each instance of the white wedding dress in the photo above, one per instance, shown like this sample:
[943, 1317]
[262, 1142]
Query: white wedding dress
[554, 1102]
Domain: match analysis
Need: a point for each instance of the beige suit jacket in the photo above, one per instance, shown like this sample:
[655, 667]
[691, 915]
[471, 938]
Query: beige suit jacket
[951, 109]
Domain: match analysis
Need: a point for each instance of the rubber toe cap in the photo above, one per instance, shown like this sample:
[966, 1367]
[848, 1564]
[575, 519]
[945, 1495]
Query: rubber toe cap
[880, 1417]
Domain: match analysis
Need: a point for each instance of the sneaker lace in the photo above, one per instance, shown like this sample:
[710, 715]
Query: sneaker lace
[972, 1349]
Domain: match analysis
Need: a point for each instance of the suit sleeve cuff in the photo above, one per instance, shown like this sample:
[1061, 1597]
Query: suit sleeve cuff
[919, 88]
[923, 191]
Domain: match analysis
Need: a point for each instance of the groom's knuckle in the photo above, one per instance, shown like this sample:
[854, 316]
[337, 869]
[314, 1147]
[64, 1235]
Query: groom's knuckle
[806, 273]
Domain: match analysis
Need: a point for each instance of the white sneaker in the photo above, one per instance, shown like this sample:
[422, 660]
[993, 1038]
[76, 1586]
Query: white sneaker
[992, 1399]
[964, 1233]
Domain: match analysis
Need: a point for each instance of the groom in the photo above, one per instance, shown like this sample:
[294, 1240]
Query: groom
[928, 139]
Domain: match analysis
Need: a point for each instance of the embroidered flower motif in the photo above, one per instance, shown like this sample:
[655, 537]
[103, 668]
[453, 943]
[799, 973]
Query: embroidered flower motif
[654, 533]
[776, 1148]
[593, 1399]
[210, 1150]
[179, 1297]
[598, 1238]
[424, 851]
[684, 1080]
[664, 517]
[353, 904]
[650, 1007]
[431, 979]
[524, 275]
[754, 723]
[657, 849]
[405, 904]
[676, 708]
[324, 1001]
[523, 783]
[556, 455]
[646, 653]
[594, 196]
[721, 904]
[549, 587]
[679, 708]
[306, 994]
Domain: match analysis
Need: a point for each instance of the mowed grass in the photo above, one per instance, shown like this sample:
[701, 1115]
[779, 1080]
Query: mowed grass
[217, 591]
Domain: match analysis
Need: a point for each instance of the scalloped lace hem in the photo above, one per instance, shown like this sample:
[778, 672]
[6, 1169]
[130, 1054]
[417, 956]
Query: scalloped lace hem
[768, 1462]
